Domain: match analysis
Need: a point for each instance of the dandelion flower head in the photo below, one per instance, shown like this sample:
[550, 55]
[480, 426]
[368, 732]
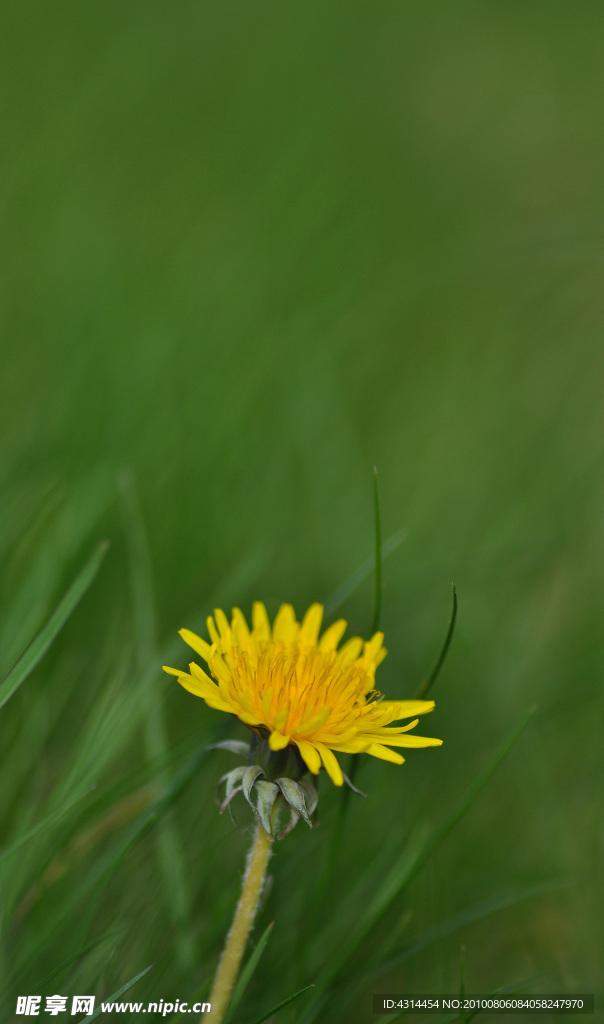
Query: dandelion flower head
[301, 688]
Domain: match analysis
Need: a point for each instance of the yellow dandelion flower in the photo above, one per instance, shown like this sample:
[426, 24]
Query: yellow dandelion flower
[300, 689]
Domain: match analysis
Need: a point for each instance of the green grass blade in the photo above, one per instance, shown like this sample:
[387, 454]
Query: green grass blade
[120, 992]
[169, 848]
[377, 571]
[417, 851]
[141, 579]
[380, 552]
[149, 818]
[476, 912]
[247, 972]
[104, 867]
[18, 977]
[431, 678]
[40, 644]
[71, 960]
[279, 1006]
[39, 828]
[473, 792]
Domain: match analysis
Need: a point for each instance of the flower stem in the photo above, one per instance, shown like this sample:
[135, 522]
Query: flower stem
[226, 975]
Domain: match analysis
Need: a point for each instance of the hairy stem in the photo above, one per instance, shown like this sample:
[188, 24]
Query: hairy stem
[228, 968]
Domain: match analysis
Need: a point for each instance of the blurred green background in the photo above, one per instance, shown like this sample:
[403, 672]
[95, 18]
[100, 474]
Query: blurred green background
[249, 251]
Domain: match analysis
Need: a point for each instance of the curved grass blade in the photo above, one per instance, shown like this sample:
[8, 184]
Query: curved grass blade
[431, 678]
[40, 644]
[414, 856]
[120, 992]
[377, 571]
[248, 970]
[279, 1006]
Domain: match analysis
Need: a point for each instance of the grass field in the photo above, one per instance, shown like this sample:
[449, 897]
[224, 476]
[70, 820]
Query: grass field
[249, 252]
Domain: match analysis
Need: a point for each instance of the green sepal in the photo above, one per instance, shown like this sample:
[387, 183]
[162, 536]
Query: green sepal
[266, 797]
[310, 792]
[294, 818]
[233, 785]
[250, 776]
[295, 797]
[235, 746]
[266, 794]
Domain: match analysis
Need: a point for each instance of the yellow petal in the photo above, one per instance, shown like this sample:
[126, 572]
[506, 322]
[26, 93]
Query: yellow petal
[381, 654]
[351, 649]
[209, 692]
[199, 674]
[200, 646]
[260, 621]
[222, 622]
[332, 636]
[248, 718]
[280, 718]
[335, 740]
[409, 740]
[284, 626]
[381, 731]
[406, 708]
[377, 750]
[314, 723]
[214, 634]
[277, 741]
[330, 762]
[219, 669]
[311, 624]
[354, 746]
[372, 648]
[310, 755]
[267, 700]
[241, 632]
